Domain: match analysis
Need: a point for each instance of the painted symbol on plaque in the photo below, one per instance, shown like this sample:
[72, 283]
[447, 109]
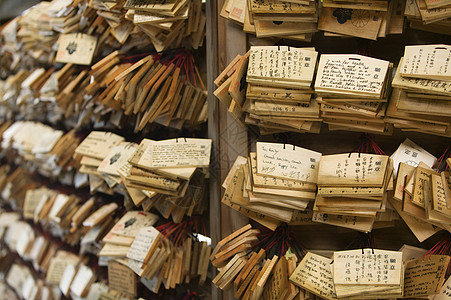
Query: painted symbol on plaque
[129, 222]
[360, 18]
[71, 48]
[342, 15]
[115, 158]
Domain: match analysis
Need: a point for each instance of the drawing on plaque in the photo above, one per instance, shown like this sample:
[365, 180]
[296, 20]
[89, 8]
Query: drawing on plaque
[130, 222]
[358, 17]
[115, 158]
[71, 48]
[342, 15]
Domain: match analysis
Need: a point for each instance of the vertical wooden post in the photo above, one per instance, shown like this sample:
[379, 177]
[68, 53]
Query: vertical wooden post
[224, 41]
[233, 136]
[213, 130]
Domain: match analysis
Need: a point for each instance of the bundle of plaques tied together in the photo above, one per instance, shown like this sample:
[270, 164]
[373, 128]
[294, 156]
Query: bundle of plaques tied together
[257, 269]
[361, 274]
[147, 254]
[168, 174]
[353, 92]
[294, 20]
[352, 189]
[41, 148]
[421, 98]
[278, 96]
[272, 185]
[422, 190]
[364, 18]
[429, 15]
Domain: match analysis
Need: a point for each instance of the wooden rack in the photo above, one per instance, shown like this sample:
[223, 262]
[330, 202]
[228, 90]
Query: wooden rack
[224, 41]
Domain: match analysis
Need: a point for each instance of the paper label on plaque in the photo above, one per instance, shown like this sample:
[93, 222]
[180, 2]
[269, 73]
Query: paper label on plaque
[410, 153]
[81, 280]
[445, 291]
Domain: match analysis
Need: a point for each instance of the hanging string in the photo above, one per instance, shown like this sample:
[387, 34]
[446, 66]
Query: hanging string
[191, 296]
[362, 241]
[364, 47]
[135, 58]
[440, 164]
[278, 242]
[442, 247]
[179, 232]
[368, 145]
[180, 58]
[184, 60]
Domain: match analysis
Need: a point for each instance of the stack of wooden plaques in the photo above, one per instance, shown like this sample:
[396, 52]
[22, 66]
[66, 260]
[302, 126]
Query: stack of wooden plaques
[359, 283]
[422, 195]
[252, 274]
[299, 20]
[168, 23]
[237, 268]
[118, 240]
[65, 216]
[169, 172]
[364, 19]
[64, 273]
[168, 175]
[352, 189]
[353, 90]
[268, 191]
[19, 93]
[14, 185]
[130, 241]
[239, 242]
[93, 149]
[361, 273]
[294, 20]
[101, 25]
[108, 164]
[278, 96]
[422, 91]
[34, 35]
[164, 89]
[156, 260]
[429, 213]
[155, 89]
[427, 15]
[41, 148]
[35, 31]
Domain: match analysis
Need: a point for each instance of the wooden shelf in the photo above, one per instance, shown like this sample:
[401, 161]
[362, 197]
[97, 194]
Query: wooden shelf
[225, 40]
